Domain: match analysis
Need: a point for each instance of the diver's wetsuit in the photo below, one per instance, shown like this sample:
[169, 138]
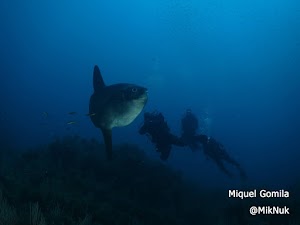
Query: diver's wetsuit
[159, 131]
[189, 126]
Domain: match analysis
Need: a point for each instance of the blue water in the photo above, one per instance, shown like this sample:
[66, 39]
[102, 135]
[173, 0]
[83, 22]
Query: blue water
[235, 63]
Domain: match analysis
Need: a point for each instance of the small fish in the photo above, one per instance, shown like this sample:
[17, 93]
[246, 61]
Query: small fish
[90, 114]
[72, 113]
[71, 122]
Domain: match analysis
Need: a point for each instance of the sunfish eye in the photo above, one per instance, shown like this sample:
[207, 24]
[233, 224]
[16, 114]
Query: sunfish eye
[134, 89]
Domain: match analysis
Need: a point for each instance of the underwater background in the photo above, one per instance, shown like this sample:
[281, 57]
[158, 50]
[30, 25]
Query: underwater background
[236, 64]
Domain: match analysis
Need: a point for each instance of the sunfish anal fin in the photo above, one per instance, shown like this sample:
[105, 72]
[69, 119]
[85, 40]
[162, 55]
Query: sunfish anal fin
[107, 135]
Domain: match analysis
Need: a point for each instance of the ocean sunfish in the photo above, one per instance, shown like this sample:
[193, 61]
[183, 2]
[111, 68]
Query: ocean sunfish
[114, 105]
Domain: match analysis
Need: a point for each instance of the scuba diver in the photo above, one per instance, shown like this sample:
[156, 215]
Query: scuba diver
[211, 148]
[158, 130]
[189, 126]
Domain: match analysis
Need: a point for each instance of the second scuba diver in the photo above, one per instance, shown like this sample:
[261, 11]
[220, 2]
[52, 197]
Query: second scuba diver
[211, 148]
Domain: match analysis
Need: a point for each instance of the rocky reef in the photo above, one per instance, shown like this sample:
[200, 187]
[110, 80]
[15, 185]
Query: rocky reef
[69, 181]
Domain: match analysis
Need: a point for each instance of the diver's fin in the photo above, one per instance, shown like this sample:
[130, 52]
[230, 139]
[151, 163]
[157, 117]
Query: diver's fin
[97, 79]
[108, 142]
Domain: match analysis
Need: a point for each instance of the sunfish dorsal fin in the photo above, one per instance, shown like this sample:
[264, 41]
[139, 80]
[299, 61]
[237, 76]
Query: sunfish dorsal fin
[97, 79]
[108, 142]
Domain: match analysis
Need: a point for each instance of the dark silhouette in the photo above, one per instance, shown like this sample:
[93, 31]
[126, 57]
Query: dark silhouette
[189, 126]
[211, 147]
[158, 130]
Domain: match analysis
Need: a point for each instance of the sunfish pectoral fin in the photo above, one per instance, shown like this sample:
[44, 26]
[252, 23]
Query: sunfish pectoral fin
[107, 135]
[98, 81]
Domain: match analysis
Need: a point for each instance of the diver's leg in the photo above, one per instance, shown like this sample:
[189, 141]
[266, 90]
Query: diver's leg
[223, 155]
[232, 161]
[222, 167]
[236, 164]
